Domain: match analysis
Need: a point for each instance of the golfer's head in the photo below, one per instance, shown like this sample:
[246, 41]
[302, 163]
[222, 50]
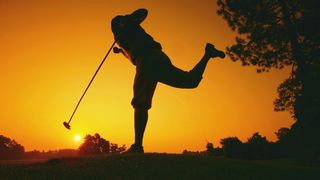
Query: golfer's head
[117, 24]
[125, 23]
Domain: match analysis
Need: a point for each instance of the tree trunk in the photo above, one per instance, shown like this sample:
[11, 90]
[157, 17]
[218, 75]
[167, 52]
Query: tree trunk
[306, 105]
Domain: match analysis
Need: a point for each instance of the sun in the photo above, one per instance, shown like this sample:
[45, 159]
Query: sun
[77, 138]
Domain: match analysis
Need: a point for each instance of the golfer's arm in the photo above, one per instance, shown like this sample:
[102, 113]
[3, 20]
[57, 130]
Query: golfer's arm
[138, 16]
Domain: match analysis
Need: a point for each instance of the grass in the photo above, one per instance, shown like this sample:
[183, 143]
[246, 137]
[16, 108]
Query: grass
[159, 166]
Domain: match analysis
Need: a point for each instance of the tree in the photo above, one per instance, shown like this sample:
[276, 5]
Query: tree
[276, 34]
[94, 145]
[232, 147]
[10, 149]
[213, 151]
[284, 144]
[210, 149]
[258, 147]
[98, 145]
[115, 149]
[282, 133]
[256, 138]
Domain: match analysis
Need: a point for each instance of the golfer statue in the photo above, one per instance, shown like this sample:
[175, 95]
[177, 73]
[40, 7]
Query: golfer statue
[152, 66]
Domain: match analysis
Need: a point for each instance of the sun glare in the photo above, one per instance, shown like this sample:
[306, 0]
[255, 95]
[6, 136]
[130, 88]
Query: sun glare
[77, 138]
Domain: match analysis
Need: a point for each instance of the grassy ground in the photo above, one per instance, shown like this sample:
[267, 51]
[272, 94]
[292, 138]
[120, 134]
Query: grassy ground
[158, 166]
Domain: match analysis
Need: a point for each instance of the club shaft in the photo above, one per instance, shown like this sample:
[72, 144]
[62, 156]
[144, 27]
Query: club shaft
[85, 91]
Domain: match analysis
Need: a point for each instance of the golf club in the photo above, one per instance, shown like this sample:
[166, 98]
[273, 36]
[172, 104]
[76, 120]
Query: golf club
[67, 124]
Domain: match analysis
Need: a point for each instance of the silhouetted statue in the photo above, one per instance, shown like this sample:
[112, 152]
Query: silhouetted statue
[152, 66]
[275, 34]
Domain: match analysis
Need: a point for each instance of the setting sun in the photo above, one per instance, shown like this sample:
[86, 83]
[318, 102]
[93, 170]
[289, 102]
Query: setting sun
[77, 138]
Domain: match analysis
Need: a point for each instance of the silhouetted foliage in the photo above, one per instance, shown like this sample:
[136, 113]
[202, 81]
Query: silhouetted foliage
[10, 149]
[275, 34]
[282, 134]
[258, 147]
[213, 151]
[283, 145]
[35, 154]
[232, 147]
[115, 149]
[186, 152]
[218, 152]
[210, 148]
[94, 145]
[98, 145]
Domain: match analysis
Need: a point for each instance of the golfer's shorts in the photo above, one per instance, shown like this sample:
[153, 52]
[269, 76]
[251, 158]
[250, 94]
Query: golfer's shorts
[145, 82]
[156, 67]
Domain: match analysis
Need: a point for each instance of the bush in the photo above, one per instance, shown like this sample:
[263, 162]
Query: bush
[10, 149]
[98, 145]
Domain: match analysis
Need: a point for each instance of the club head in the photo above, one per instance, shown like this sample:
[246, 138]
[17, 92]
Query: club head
[66, 125]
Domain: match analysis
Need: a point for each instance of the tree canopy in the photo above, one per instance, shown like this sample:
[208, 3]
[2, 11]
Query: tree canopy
[95, 144]
[276, 34]
[10, 149]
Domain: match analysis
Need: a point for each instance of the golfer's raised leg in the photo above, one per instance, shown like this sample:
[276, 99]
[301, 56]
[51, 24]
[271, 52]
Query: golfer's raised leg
[178, 78]
[210, 52]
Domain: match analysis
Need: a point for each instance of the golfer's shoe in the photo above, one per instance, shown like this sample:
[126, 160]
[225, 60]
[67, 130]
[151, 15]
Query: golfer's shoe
[135, 149]
[211, 51]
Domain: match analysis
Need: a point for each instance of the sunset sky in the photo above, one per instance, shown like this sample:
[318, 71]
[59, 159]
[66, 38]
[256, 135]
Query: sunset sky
[51, 48]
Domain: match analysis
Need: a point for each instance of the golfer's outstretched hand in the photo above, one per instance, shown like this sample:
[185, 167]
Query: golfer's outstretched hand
[117, 50]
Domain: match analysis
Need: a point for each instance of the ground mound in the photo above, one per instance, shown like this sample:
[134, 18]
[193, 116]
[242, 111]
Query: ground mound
[158, 166]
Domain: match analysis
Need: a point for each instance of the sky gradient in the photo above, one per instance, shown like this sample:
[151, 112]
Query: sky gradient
[51, 48]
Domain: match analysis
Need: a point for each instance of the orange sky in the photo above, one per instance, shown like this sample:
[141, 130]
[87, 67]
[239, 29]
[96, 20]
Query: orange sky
[51, 48]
